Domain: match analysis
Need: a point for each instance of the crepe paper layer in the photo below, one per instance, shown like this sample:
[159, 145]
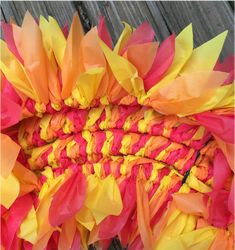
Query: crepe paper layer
[135, 119]
[87, 146]
[98, 141]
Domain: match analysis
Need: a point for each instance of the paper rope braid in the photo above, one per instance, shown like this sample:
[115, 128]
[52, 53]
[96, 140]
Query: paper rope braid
[133, 141]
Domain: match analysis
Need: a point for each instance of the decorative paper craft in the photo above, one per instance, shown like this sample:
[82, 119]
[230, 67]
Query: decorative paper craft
[133, 141]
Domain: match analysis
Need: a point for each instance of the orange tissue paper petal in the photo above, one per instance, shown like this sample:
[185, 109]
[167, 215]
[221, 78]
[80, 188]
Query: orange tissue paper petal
[10, 151]
[192, 93]
[28, 179]
[67, 234]
[136, 53]
[71, 57]
[92, 55]
[143, 215]
[33, 54]
[190, 203]
[15, 72]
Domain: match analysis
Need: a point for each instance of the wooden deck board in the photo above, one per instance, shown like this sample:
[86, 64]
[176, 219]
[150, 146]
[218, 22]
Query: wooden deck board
[209, 18]
[62, 11]
[133, 13]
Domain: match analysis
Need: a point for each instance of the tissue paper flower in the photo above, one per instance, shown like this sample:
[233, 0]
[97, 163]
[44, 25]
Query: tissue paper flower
[133, 141]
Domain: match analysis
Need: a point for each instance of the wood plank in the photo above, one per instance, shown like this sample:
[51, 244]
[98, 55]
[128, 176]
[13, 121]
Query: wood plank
[85, 20]
[62, 10]
[231, 3]
[2, 20]
[208, 18]
[133, 13]
[2, 15]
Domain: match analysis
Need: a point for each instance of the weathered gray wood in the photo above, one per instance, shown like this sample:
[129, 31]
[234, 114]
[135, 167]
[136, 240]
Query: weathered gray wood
[231, 3]
[62, 11]
[208, 18]
[2, 20]
[2, 15]
[133, 13]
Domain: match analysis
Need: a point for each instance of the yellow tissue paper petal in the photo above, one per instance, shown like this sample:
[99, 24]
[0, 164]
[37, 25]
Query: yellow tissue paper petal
[197, 239]
[205, 56]
[15, 73]
[93, 115]
[225, 97]
[54, 87]
[175, 224]
[46, 38]
[44, 124]
[190, 224]
[84, 236]
[183, 51]
[86, 134]
[28, 228]
[85, 218]
[121, 68]
[222, 97]
[103, 197]
[9, 154]
[87, 86]
[9, 190]
[107, 144]
[35, 155]
[104, 124]
[58, 40]
[47, 41]
[197, 185]
[199, 134]
[125, 73]
[126, 33]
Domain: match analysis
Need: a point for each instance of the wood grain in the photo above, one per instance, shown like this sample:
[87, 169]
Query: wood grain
[133, 13]
[63, 11]
[209, 18]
